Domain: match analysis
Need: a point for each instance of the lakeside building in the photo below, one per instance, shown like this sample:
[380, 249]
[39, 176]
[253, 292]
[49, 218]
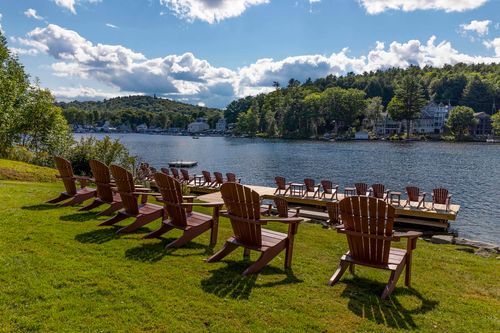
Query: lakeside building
[482, 125]
[221, 125]
[361, 135]
[198, 126]
[432, 120]
[141, 128]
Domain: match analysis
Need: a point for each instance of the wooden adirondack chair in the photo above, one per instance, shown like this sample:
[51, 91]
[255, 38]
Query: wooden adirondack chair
[283, 210]
[219, 179]
[281, 185]
[362, 189]
[367, 223]
[143, 213]
[180, 217]
[329, 189]
[243, 210]
[379, 192]
[231, 177]
[105, 194]
[165, 171]
[414, 195]
[69, 180]
[332, 208]
[207, 178]
[311, 188]
[186, 178]
[441, 196]
[175, 173]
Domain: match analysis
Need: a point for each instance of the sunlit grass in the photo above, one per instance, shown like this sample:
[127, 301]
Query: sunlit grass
[59, 271]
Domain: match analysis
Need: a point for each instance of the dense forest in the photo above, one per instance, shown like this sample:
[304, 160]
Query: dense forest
[339, 103]
[135, 110]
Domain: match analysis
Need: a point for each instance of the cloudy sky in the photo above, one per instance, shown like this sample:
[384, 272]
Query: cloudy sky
[209, 52]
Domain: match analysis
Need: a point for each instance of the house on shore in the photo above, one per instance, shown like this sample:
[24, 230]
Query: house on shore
[361, 135]
[482, 125]
[198, 126]
[221, 125]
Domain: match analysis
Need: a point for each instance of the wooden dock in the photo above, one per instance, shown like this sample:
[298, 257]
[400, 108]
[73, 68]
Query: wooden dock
[437, 217]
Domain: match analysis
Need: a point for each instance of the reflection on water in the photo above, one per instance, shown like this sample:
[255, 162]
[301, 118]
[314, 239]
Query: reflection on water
[471, 171]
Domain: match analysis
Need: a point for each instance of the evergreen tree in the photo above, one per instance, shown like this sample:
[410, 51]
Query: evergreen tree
[479, 95]
[407, 102]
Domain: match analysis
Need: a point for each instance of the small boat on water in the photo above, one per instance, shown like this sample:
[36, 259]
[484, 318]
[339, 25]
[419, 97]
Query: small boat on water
[492, 140]
[182, 164]
[195, 137]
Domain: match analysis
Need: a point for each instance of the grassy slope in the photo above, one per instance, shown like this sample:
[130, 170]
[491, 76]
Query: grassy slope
[59, 271]
[13, 170]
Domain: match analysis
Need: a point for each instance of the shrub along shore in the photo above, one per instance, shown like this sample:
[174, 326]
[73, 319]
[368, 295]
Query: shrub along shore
[60, 272]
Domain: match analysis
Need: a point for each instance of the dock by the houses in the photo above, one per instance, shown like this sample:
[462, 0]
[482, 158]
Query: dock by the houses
[314, 208]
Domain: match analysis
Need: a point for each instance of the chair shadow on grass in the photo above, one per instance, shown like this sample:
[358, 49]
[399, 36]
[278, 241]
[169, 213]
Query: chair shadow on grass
[99, 236]
[40, 207]
[229, 282]
[364, 301]
[153, 252]
[79, 217]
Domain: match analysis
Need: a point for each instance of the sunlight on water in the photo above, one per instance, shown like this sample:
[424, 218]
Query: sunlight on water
[470, 171]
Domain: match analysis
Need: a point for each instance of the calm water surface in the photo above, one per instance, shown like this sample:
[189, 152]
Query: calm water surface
[471, 171]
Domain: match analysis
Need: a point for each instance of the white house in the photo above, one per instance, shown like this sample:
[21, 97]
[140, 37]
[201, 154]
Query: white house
[221, 125]
[142, 128]
[198, 126]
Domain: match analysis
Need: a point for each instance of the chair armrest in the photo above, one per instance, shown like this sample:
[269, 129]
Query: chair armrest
[408, 234]
[340, 226]
[203, 204]
[186, 197]
[147, 193]
[283, 220]
[143, 189]
[82, 178]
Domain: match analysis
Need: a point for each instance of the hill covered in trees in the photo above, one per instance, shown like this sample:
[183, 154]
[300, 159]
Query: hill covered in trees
[136, 110]
[337, 103]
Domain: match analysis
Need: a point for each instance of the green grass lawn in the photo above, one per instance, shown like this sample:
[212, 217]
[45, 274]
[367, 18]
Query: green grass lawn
[59, 271]
[13, 170]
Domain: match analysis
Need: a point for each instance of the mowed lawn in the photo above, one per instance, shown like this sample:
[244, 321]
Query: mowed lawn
[59, 271]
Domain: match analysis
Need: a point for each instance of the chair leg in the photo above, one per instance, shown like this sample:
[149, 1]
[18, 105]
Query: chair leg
[61, 197]
[352, 269]
[157, 233]
[115, 219]
[187, 236]
[246, 253]
[139, 222]
[338, 273]
[94, 204]
[111, 209]
[214, 231]
[263, 260]
[393, 280]
[226, 249]
[79, 198]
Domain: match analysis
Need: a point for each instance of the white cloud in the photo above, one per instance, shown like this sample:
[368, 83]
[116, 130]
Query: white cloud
[82, 93]
[70, 4]
[188, 78]
[1, 30]
[30, 12]
[21, 51]
[210, 11]
[111, 25]
[379, 6]
[314, 1]
[495, 44]
[479, 27]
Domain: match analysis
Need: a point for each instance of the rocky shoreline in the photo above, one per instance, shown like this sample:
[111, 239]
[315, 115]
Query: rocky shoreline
[479, 248]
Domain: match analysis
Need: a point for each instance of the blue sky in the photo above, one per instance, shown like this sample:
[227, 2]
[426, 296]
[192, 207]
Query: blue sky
[212, 51]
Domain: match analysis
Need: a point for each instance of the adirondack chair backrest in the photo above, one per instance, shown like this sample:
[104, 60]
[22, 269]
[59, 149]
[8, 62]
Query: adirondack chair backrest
[364, 216]
[440, 195]
[165, 171]
[66, 173]
[281, 206]
[206, 176]
[309, 184]
[185, 175]
[231, 177]
[102, 178]
[243, 207]
[125, 184]
[327, 186]
[413, 193]
[333, 212]
[175, 173]
[361, 188]
[280, 182]
[378, 190]
[219, 179]
[171, 192]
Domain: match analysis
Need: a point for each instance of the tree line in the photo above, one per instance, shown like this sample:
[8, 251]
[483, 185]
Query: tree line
[340, 103]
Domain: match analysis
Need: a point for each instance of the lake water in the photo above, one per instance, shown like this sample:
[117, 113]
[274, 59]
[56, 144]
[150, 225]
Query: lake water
[471, 171]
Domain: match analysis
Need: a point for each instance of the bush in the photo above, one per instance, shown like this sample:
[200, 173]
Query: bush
[106, 150]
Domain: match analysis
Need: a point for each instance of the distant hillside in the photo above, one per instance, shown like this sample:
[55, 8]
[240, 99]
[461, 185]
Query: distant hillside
[135, 110]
